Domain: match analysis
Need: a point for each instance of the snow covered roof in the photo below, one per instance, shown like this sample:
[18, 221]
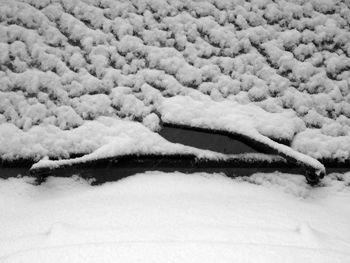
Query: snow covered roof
[88, 75]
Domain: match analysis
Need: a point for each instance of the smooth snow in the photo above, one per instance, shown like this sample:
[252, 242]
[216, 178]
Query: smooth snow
[174, 217]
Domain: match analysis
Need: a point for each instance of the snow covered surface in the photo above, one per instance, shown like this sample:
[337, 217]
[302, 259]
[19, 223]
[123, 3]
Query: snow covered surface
[64, 64]
[174, 217]
[230, 116]
[108, 137]
[97, 77]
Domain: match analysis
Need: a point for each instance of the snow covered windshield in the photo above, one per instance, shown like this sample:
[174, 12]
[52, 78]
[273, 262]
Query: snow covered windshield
[98, 79]
[185, 131]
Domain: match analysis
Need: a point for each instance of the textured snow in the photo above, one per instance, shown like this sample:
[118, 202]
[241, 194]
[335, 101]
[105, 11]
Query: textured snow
[64, 64]
[158, 217]
[331, 147]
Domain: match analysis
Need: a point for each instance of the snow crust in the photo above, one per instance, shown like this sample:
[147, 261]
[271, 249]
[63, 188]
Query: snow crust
[157, 217]
[64, 64]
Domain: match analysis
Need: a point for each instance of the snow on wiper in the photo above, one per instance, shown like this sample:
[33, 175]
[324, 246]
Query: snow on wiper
[201, 111]
[127, 138]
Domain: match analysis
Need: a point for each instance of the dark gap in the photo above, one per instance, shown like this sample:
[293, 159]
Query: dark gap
[211, 139]
[206, 140]
[8, 172]
[114, 169]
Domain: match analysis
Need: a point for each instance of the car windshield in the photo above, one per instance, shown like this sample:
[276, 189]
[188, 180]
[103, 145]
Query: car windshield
[245, 157]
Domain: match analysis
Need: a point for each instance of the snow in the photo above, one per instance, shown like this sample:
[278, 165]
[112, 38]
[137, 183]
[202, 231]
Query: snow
[78, 53]
[175, 217]
[201, 111]
[281, 67]
[330, 146]
[246, 118]
[97, 79]
[115, 138]
[102, 138]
